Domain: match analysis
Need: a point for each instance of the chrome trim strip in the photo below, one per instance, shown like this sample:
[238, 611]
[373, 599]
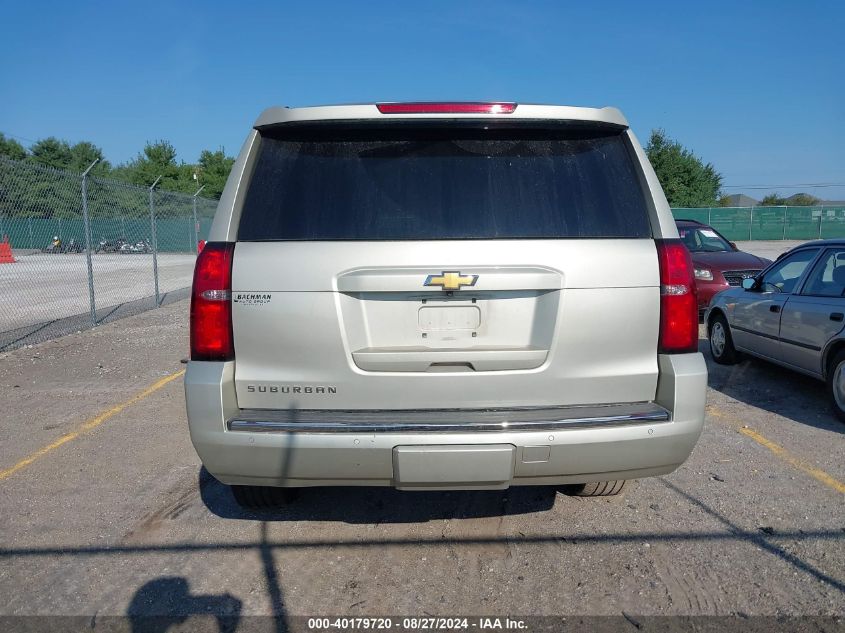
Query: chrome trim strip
[644, 415]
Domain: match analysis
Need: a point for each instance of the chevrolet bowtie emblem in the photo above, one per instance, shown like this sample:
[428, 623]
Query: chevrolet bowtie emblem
[451, 280]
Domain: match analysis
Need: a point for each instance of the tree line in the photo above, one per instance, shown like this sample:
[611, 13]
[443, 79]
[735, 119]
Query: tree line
[158, 158]
[798, 200]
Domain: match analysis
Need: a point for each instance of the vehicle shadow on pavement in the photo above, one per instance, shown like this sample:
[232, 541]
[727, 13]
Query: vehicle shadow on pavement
[772, 388]
[166, 603]
[381, 505]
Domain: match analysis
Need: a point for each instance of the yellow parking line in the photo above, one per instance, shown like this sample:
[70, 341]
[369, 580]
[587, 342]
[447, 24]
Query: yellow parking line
[88, 425]
[816, 473]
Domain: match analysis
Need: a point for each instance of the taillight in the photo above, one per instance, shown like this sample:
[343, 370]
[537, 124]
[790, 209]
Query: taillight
[678, 300]
[211, 304]
[464, 107]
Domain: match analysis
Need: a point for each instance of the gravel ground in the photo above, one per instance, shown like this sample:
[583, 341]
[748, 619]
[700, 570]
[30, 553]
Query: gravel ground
[123, 520]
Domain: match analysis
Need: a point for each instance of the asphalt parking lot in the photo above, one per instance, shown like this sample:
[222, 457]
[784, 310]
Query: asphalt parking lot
[105, 510]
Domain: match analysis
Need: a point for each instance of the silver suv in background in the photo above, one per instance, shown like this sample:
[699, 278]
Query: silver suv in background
[442, 296]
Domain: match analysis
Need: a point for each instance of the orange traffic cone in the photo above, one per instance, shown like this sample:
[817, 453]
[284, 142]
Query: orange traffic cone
[6, 251]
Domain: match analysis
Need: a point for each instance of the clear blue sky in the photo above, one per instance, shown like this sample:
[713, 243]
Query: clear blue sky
[758, 89]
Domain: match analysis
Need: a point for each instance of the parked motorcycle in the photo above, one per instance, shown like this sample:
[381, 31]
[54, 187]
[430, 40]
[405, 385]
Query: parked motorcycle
[142, 246]
[57, 245]
[73, 247]
[110, 246]
[54, 247]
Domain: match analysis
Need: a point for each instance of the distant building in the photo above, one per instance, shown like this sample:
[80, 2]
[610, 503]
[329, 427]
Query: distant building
[741, 200]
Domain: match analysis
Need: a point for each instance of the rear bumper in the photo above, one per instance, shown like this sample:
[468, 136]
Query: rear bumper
[445, 449]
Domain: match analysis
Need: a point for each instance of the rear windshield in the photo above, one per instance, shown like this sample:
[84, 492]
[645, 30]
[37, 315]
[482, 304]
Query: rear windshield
[441, 183]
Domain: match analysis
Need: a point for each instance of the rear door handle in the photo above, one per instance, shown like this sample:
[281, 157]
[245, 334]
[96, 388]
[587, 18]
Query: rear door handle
[774, 308]
[836, 316]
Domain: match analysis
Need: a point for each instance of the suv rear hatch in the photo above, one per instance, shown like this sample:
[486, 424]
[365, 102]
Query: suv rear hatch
[444, 264]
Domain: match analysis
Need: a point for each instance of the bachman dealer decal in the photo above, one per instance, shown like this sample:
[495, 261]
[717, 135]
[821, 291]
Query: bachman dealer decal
[251, 298]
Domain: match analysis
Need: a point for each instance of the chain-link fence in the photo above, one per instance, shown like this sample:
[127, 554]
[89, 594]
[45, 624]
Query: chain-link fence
[88, 250]
[770, 223]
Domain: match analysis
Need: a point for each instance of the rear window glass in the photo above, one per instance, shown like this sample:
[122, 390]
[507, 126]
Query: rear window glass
[430, 184]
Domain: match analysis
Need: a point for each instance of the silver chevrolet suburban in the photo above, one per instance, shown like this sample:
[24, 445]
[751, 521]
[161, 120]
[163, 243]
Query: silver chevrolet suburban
[442, 296]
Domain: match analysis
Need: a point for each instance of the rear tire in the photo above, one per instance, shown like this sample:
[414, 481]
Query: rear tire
[836, 385]
[262, 497]
[721, 343]
[595, 489]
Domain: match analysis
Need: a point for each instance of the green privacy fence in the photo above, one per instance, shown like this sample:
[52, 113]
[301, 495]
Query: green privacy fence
[770, 223]
[175, 235]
